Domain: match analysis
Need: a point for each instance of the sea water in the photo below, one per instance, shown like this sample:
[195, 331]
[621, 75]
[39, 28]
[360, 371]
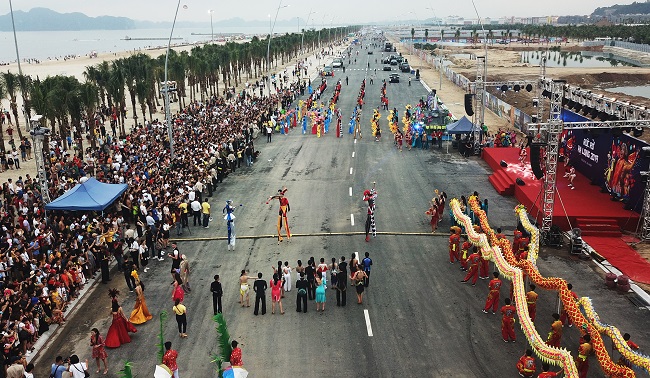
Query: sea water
[44, 45]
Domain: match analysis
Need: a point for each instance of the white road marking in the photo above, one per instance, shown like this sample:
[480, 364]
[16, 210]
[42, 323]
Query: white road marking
[350, 191]
[356, 256]
[355, 140]
[350, 170]
[352, 153]
[368, 325]
[352, 219]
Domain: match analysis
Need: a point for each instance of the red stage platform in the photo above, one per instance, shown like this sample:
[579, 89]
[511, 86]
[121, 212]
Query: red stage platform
[586, 207]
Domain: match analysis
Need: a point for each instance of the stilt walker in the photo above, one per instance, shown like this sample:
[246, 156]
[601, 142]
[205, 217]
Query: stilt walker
[370, 196]
[229, 217]
[282, 213]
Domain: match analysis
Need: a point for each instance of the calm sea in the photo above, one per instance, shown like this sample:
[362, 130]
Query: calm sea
[52, 44]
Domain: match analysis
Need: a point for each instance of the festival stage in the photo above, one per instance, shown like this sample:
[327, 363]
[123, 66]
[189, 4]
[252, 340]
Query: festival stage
[585, 207]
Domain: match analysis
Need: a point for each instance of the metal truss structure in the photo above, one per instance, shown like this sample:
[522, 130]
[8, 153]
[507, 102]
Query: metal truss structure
[479, 103]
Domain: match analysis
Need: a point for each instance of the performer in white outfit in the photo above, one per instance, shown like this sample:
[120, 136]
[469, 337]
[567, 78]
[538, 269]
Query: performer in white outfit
[286, 275]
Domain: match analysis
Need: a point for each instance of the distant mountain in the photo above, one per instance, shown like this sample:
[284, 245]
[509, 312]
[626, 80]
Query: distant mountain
[43, 19]
[619, 10]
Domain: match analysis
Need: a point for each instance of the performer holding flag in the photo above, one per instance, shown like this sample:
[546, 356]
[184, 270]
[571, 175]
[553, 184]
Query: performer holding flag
[229, 217]
[282, 213]
[370, 196]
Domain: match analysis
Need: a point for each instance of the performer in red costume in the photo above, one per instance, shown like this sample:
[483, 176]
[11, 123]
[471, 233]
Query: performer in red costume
[526, 364]
[555, 336]
[493, 296]
[582, 361]
[632, 345]
[282, 213]
[531, 302]
[454, 241]
[464, 253]
[433, 213]
[474, 260]
[508, 321]
[370, 196]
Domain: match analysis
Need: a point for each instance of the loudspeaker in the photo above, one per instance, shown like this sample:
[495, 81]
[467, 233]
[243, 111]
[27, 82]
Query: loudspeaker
[469, 108]
[503, 164]
[520, 182]
[534, 162]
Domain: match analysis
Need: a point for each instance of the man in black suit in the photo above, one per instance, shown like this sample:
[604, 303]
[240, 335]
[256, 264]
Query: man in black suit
[217, 293]
[303, 286]
[260, 293]
[342, 283]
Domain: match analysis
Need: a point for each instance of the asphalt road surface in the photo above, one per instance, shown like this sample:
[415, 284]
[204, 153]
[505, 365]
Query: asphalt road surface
[424, 322]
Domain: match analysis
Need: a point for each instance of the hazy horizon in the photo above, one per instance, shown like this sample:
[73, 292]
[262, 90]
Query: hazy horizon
[339, 11]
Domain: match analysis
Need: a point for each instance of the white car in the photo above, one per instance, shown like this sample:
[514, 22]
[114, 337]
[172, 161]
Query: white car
[338, 63]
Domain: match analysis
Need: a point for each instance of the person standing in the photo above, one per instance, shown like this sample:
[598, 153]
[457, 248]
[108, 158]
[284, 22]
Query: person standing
[176, 258]
[181, 317]
[57, 368]
[370, 196]
[454, 242]
[302, 287]
[474, 260]
[217, 293]
[260, 286]
[17, 367]
[358, 277]
[128, 268]
[342, 283]
[555, 336]
[531, 302]
[196, 211]
[134, 252]
[493, 296]
[286, 276]
[582, 361]
[185, 273]
[276, 293]
[244, 289]
[508, 321]
[143, 251]
[169, 359]
[366, 263]
[310, 273]
[205, 211]
[269, 132]
[526, 364]
[76, 367]
[545, 373]
[320, 293]
[98, 352]
[236, 355]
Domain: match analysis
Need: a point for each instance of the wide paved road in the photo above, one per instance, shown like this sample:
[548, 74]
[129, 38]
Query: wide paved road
[424, 322]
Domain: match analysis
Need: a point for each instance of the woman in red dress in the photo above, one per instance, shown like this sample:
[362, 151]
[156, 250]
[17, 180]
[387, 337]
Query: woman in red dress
[118, 332]
[178, 292]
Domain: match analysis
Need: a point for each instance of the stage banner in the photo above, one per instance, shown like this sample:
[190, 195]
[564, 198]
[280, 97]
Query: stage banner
[609, 159]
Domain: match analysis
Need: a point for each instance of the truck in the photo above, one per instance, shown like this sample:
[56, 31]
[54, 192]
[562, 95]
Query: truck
[388, 46]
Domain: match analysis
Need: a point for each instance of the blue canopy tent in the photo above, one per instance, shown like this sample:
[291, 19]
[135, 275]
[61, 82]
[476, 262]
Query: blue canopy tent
[91, 195]
[462, 126]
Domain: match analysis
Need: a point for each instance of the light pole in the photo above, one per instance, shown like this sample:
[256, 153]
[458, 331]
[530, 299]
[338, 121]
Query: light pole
[211, 26]
[168, 118]
[302, 41]
[268, 46]
[13, 24]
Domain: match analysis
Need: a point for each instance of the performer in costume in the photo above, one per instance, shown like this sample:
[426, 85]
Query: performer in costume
[140, 313]
[229, 217]
[370, 196]
[433, 213]
[282, 213]
[118, 332]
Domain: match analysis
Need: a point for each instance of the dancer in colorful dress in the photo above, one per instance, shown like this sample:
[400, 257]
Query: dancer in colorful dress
[276, 293]
[370, 196]
[118, 332]
[229, 217]
[433, 213]
[282, 213]
[321, 281]
[140, 313]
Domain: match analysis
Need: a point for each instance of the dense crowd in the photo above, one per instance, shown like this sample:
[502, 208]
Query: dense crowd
[47, 260]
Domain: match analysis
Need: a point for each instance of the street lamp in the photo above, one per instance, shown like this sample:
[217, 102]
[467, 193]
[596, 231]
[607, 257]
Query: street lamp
[168, 118]
[211, 26]
[268, 46]
[302, 41]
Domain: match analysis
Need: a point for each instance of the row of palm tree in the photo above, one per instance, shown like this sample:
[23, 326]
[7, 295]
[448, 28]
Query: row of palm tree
[136, 80]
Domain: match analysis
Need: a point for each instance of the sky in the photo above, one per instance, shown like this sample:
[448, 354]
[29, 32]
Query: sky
[340, 11]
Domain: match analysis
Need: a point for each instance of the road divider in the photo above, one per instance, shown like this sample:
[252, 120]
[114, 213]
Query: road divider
[368, 325]
[352, 219]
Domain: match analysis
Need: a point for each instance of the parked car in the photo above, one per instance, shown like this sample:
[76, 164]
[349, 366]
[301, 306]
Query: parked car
[387, 67]
[404, 67]
[399, 59]
[327, 71]
[393, 78]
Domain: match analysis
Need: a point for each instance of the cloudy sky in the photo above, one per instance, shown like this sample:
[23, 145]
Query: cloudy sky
[342, 11]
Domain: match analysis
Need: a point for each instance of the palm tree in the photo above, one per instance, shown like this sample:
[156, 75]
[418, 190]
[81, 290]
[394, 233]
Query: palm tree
[11, 85]
[426, 35]
[89, 97]
[412, 34]
[2, 137]
[25, 82]
[116, 83]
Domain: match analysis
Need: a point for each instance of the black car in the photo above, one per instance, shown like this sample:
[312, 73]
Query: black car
[393, 78]
[370, 52]
[387, 67]
[404, 67]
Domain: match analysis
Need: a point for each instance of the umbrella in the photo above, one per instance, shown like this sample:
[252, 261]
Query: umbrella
[162, 371]
[235, 372]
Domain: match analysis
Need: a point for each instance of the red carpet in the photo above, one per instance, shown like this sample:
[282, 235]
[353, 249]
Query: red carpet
[585, 207]
[622, 256]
